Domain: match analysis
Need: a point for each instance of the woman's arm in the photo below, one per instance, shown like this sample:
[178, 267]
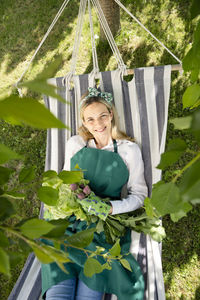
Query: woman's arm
[136, 186]
[73, 145]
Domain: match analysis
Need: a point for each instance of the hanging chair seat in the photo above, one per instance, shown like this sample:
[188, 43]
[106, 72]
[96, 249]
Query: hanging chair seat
[142, 104]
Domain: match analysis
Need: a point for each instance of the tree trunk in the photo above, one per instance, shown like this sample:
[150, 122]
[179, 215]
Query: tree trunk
[111, 11]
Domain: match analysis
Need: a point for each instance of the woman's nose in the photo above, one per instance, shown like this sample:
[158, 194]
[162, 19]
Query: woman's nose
[98, 122]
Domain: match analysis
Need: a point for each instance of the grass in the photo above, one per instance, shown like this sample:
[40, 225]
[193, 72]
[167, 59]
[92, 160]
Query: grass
[23, 25]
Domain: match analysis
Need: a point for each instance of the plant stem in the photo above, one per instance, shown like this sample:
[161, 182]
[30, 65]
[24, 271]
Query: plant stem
[186, 167]
[33, 243]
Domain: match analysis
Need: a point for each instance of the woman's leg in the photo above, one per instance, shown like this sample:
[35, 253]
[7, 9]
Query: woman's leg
[85, 293]
[64, 290]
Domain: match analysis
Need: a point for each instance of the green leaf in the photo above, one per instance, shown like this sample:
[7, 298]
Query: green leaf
[43, 87]
[169, 158]
[40, 85]
[157, 233]
[56, 255]
[18, 110]
[60, 228]
[176, 145]
[3, 240]
[195, 126]
[7, 154]
[81, 239]
[189, 178]
[15, 195]
[166, 198]
[195, 8]
[126, 264]
[69, 177]
[49, 174]
[91, 267]
[193, 194]
[42, 255]
[191, 95]
[148, 207]
[4, 262]
[48, 195]
[194, 75]
[191, 61]
[6, 208]
[181, 213]
[62, 267]
[51, 68]
[190, 184]
[5, 175]
[175, 149]
[35, 228]
[182, 123]
[116, 249]
[27, 175]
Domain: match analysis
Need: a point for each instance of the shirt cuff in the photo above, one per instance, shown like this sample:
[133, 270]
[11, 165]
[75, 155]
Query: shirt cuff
[121, 206]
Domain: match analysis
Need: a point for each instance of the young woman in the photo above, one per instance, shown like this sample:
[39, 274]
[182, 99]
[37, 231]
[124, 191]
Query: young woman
[111, 160]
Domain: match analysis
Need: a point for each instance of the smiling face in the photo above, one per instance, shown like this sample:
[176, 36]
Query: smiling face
[97, 119]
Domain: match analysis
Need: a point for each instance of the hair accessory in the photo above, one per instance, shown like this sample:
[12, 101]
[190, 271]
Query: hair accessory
[93, 92]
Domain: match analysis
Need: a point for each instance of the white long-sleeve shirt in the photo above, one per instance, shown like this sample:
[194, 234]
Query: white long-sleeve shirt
[131, 155]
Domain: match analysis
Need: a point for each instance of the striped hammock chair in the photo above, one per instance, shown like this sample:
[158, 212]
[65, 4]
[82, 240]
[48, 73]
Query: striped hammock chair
[142, 105]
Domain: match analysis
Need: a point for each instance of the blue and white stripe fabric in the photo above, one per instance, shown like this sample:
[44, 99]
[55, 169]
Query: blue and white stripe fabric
[142, 105]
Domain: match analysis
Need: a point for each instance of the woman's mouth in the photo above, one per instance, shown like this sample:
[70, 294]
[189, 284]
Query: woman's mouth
[100, 130]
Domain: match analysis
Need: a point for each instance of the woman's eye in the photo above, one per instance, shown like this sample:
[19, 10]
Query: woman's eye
[103, 116]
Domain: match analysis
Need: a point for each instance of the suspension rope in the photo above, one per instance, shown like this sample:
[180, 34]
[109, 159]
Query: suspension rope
[78, 35]
[130, 14]
[67, 78]
[108, 34]
[94, 51]
[41, 43]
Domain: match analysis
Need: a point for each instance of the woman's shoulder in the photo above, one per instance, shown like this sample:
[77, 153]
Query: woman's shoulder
[76, 141]
[128, 144]
[129, 148]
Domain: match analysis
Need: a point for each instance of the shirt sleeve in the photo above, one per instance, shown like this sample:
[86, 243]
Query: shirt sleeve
[136, 186]
[73, 145]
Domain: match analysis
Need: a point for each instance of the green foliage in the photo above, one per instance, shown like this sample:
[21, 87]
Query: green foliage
[125, 264]
[7, 154]
[191, 96]
[48, 195]
[195, 9]
[17, 110]
[26, 175]
[82, 239]
[116, 249]
[70, 176]
[92, 266]
[35, 228]
[173, 152]
[181, 263]
[4, 262]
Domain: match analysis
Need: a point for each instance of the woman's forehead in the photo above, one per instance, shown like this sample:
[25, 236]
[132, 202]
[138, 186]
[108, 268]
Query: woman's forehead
[95, 108]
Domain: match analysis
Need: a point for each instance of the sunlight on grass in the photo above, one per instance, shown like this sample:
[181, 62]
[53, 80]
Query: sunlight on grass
[22, 27]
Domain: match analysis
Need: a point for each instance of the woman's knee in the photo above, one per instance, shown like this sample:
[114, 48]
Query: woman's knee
[64, 290]
[83, 292]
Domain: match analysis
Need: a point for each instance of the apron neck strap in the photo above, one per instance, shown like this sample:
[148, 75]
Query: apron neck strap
[114, 144]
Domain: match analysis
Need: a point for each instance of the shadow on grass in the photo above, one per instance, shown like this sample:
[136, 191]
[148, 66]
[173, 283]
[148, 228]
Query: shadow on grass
[181, 244]
[23, 26]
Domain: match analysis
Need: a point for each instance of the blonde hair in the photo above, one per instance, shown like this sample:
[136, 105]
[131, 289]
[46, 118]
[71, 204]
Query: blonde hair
[116, 133]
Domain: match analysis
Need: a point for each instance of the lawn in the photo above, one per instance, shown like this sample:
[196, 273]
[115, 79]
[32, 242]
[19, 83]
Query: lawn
[23, 24]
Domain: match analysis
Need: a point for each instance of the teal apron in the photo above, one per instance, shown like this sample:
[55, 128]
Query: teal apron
[107, 174]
